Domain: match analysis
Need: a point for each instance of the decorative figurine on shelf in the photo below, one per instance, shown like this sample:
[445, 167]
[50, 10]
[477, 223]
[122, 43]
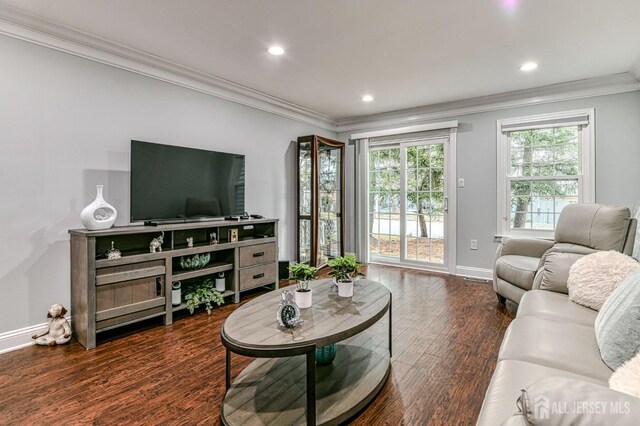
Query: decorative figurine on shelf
[233, 235]
[113, 253]
[156, 244]
[190, 242]
[58, 331]
[213, 238]
[288, 312]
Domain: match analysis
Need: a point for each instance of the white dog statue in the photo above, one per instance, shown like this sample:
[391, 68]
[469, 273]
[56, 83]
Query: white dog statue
[58, 331]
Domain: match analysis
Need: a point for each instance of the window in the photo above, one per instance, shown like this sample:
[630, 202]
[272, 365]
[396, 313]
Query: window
[544, 164]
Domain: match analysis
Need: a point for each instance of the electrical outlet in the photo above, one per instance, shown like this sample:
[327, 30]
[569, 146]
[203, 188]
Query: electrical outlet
[474, 244]
[461, 183]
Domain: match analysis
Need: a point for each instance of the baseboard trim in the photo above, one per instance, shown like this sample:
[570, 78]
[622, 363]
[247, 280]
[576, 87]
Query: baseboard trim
[471, 272]
[21, 338]
[17, 339]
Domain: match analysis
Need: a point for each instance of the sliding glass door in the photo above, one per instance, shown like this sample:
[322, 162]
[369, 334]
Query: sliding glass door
[408, 202]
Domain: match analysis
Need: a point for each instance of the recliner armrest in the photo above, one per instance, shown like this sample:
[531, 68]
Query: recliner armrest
[532, 247]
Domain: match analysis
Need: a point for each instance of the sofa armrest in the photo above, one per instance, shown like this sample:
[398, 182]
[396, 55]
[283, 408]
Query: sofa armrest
[532, 247]
[560, 401]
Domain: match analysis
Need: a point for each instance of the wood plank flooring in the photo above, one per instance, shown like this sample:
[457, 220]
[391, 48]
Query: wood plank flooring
[446, 336]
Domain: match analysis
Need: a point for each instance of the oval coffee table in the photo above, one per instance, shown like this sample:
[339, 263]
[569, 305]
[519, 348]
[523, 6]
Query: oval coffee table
[284, 386]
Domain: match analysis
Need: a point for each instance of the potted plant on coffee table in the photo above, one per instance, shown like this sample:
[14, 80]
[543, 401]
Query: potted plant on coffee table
[344, 271]
[302, 273]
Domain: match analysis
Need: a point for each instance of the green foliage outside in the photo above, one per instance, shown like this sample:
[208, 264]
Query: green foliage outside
[205, 293]
[536, 153]
[344, 268]
[425, 181]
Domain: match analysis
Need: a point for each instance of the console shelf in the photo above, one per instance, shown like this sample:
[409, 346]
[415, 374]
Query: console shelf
[111, 293]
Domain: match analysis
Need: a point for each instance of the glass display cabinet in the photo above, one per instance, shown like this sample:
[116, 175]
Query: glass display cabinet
[320, 199]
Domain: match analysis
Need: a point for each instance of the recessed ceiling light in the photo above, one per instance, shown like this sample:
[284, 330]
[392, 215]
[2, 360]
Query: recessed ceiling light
[528, 66]
[276, 50]
[367, 98]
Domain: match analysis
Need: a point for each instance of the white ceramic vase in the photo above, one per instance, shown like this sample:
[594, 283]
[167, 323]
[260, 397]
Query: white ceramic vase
[99, 214]
[303, 298]
[345, 288]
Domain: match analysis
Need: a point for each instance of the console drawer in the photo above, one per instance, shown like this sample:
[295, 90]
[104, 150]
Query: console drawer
[257, 254]
[257, 276]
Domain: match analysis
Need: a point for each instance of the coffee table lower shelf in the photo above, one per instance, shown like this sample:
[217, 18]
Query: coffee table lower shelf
[273, 390]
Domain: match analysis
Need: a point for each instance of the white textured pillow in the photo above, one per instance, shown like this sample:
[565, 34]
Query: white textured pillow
[593, 277]
[627, 378]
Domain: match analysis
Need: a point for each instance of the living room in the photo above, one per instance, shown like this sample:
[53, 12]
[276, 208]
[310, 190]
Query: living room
[83, 79]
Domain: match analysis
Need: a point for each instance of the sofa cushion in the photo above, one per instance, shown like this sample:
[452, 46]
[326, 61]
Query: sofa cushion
[555, 270]
[561, 401]
[563, 345]
[596, 226]
[555, 306]
[518, 270]
[506, 384]
[593, 278]
[618, 323]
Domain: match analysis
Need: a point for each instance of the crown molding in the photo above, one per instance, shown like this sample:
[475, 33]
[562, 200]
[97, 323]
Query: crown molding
[617, 83]
[23, 26]
[20, 25]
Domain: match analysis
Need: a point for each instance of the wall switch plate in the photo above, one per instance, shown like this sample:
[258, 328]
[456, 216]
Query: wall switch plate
[461, 183]
[474, 244]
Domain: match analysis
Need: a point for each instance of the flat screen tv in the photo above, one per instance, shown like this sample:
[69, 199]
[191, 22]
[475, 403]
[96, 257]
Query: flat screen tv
[172, 183]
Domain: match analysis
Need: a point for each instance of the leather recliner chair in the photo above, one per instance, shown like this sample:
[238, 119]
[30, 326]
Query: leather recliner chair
[526, 264]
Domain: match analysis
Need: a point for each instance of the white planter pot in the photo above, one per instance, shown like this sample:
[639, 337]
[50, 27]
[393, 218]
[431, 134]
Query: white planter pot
[303, 299]
[99, 214]
[345, 288]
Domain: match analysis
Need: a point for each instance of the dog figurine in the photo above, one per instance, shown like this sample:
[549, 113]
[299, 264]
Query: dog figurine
[156, 244]
[58, 331]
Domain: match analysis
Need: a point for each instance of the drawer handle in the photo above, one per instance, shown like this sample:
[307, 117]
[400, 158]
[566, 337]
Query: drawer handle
[255, 277]
[260, 253]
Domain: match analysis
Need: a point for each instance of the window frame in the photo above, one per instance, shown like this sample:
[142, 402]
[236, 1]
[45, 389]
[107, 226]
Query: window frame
[586, 175]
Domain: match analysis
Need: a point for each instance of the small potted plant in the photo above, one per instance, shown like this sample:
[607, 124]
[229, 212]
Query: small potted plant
[344, 270]
[205, 293]
[302, 273]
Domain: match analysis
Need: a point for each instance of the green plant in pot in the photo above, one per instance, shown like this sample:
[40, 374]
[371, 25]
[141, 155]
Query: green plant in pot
[302, 273]
[344, 270]
[205, 293]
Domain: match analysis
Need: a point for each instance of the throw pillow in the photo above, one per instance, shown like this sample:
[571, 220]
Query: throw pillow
[618, 323]
[593, 277]
[627, 378]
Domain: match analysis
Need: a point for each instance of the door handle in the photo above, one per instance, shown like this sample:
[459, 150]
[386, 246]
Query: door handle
[446, 204]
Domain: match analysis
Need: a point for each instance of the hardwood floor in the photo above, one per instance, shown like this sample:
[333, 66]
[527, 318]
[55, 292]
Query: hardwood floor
[446, 336]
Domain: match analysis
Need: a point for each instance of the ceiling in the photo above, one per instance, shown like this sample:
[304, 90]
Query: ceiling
[404, 53]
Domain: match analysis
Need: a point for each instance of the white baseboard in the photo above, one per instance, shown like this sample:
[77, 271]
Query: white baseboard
[21, 338]
[471, 272]
[16, 339]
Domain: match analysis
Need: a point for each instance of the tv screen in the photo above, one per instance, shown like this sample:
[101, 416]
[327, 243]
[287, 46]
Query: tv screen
[175, 183]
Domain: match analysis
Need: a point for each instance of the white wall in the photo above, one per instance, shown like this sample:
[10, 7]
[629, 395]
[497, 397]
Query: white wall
[617, 166]
[66, 125]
